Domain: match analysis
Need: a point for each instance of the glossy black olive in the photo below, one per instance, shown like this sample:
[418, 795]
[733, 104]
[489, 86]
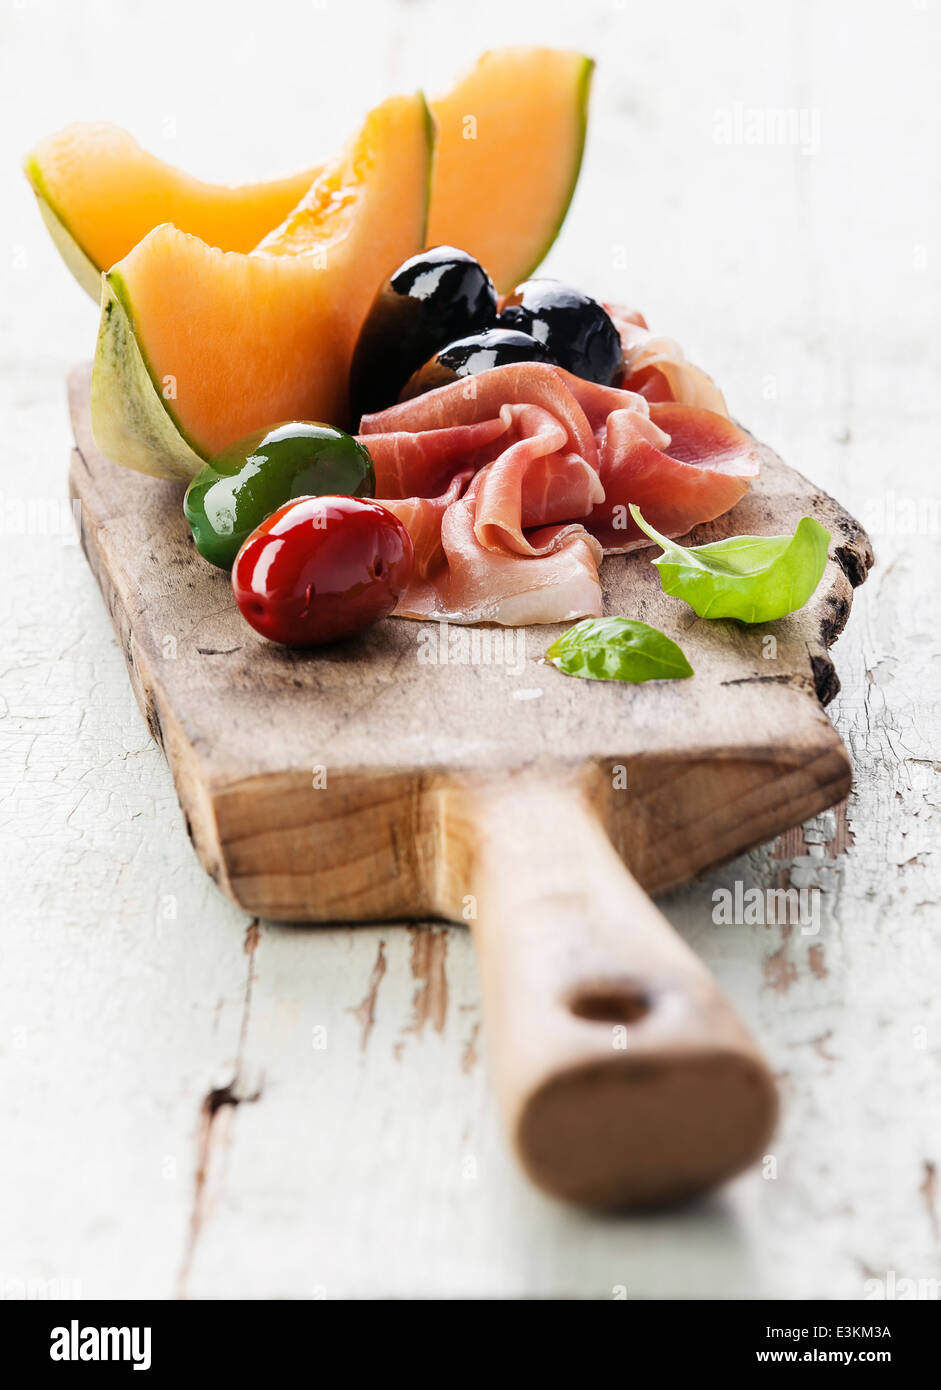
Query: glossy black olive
[573, 326]
[432, 298]
[495, 347]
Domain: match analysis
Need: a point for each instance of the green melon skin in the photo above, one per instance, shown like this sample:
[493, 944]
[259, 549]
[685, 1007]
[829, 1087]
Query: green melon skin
[130, 420]
[82, 267]
[133, 424]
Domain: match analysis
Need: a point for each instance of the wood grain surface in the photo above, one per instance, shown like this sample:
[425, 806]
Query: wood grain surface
[363, 781]
[314, 785]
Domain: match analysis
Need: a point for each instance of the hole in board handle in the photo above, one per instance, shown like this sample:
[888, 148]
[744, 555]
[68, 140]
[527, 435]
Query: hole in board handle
[611, 1005]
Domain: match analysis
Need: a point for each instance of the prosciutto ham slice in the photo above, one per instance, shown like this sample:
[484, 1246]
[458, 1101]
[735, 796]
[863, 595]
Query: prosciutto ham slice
[680, 465]
[513, 483]
[423, 518]
[553, 579]
[657, 368]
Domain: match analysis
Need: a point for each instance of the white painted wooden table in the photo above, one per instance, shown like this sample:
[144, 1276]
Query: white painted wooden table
[193, 1103]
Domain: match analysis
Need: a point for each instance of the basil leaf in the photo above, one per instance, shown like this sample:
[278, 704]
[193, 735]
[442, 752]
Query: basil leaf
[753, 578]
[618, 649]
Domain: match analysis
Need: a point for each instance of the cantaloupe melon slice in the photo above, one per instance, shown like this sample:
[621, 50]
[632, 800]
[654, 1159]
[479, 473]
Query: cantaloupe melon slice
[510, 142]
[511, 136]
[198, 347]
[99, 193]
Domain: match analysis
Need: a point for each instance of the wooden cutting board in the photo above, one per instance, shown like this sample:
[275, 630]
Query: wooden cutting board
[421, 771]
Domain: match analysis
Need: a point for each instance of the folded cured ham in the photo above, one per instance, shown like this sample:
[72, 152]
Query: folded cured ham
[657, 368]
[515, 482]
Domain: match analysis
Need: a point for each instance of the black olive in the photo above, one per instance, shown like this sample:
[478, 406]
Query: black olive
[432, 298]
[495, 347]
[574, 327]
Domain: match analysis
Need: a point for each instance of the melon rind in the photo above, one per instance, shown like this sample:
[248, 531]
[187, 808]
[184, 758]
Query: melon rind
[132, 423]
[129, 419]
[82, 267]
[173, 185]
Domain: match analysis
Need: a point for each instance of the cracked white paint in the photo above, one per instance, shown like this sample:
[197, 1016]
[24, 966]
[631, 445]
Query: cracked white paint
[123, 973]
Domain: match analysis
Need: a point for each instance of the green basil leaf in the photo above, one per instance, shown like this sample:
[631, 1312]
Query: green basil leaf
[618, 649]
[753, 578]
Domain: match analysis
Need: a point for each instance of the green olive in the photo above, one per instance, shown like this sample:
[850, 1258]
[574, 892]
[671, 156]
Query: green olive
[242, 486]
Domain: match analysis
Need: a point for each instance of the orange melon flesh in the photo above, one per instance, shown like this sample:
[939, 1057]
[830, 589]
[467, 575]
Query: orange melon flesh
[510, 143]
[235, 342]
[108, 193]
[501, 195]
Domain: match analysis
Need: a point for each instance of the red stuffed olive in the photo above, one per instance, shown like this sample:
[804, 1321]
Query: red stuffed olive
[321, 568]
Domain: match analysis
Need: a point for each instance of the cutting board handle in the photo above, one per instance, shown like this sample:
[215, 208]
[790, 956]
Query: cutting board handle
[623, 1073]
